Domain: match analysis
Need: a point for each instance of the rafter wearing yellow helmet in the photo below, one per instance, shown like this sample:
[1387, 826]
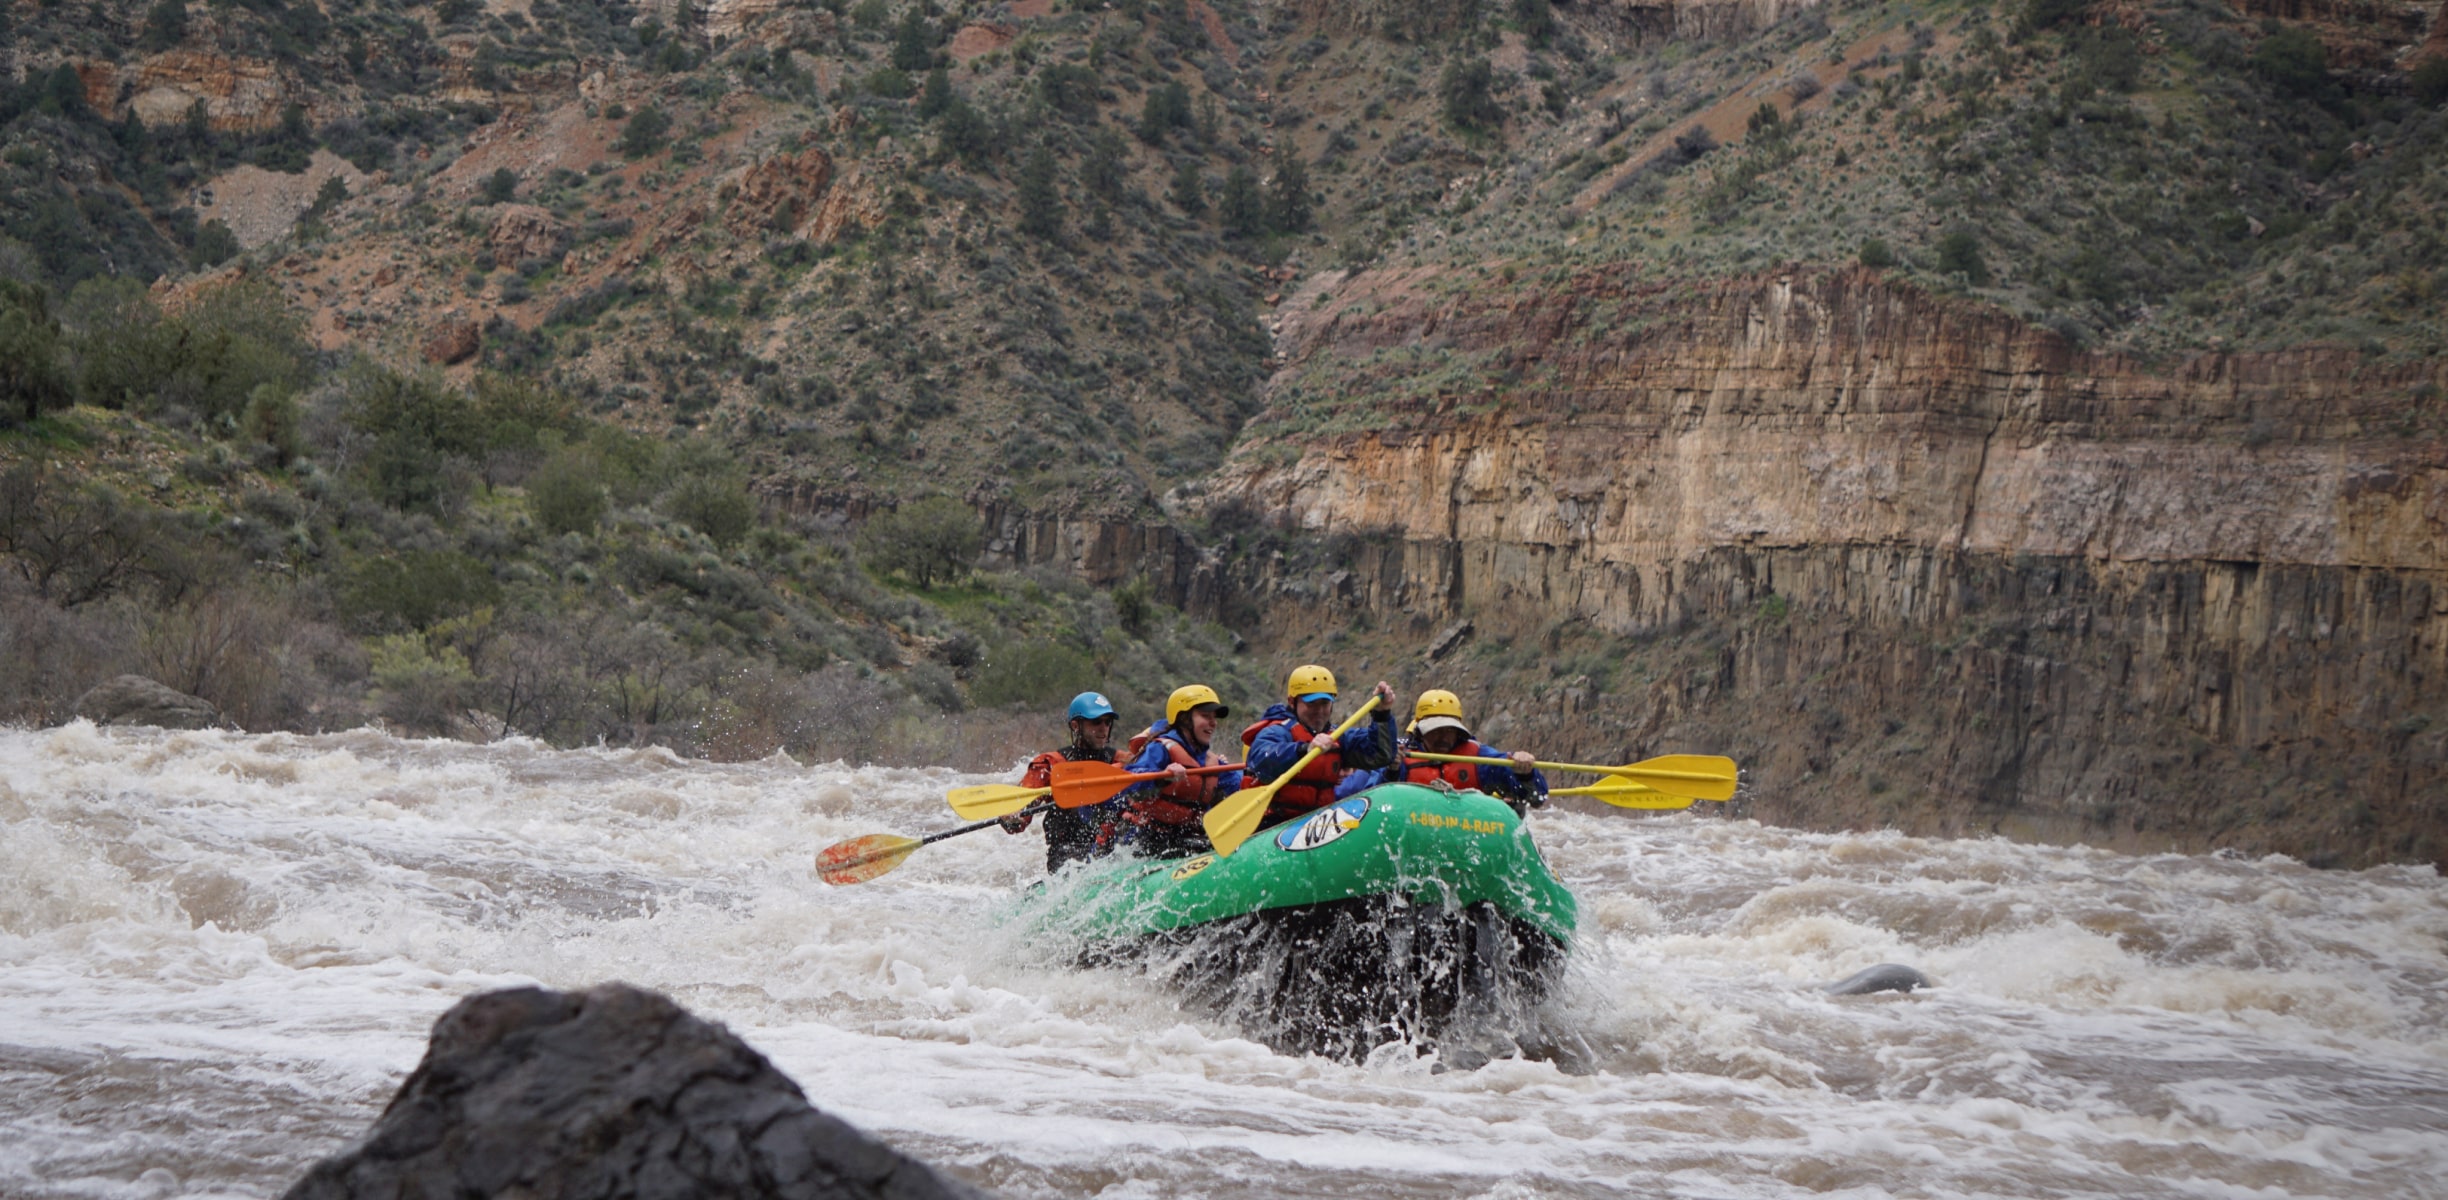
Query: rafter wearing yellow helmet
[1438, 727]
[1160, 818]
[1285, 733]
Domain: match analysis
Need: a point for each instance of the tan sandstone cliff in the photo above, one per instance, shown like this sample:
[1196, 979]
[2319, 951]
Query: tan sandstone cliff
[1917, 563]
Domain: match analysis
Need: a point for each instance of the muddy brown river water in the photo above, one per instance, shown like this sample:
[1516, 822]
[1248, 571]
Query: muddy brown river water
[220, 953]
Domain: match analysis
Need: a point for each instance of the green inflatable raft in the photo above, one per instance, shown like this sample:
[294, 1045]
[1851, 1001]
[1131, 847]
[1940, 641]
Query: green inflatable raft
[1405, 912]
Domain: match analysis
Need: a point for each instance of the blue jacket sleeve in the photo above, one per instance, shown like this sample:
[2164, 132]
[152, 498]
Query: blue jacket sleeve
[1370, 745]
[1505, 781]
[1152, 757]
[1361, 781]
[1273, 753]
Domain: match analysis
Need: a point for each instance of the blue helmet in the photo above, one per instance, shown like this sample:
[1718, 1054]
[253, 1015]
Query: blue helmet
[1090, 706]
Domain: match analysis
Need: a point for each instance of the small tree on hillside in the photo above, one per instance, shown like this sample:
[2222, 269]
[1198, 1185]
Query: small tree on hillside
[914, 42]
[1239, 206]
[937, 97]
[1189, 191]
[1466, 93]
[643, 135]
[1041, 213]
[500, 187]
[32, 377]
[926, 540]
[1288, 200]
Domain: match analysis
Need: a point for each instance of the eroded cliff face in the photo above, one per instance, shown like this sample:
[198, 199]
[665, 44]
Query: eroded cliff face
[1918, 563]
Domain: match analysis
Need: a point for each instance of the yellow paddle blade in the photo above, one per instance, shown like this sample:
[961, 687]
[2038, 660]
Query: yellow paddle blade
[863, 858]
[992, 800]
[1699, 776]
[1235, 817]
[1625, 793]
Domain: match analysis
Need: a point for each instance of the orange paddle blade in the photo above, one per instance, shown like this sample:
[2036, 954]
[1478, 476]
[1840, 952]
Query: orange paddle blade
[1077, 784]
[863, 858]
[1082, 783]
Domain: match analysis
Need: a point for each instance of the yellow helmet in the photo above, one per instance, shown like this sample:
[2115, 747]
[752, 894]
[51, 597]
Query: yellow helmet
[1438, 709]
[1186, 698]
[1310, 680]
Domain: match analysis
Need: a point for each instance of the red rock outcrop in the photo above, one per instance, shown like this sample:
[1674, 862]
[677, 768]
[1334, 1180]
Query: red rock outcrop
[2361, 34]
[238, 93]
[453, 339]
[980, 38]
[780, 194]
[524, 231]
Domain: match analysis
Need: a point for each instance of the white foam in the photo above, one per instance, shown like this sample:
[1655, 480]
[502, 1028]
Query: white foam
[251, 935]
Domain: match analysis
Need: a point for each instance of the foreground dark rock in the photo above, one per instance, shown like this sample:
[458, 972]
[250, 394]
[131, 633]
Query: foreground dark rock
[136, 700]
[610, 1092]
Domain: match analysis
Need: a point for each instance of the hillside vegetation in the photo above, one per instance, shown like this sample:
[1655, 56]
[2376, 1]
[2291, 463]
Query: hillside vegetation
[548, 362]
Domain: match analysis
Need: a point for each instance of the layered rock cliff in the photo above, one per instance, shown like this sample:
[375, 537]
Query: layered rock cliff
[1919, 563]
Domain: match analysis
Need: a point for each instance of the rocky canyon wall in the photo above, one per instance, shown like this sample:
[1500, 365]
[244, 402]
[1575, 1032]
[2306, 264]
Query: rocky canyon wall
[1918, 563]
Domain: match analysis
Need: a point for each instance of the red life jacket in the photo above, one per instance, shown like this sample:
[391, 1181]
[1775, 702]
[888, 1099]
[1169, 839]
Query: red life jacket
[1314, 786]
[1463, 776]
[1139, 741]
[1179, 803]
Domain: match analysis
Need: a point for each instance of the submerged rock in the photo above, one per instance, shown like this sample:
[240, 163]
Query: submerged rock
[1885, 977]
[136, 700]
[610, 1092]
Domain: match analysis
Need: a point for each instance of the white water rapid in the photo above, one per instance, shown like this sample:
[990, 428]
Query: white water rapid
[220, 953]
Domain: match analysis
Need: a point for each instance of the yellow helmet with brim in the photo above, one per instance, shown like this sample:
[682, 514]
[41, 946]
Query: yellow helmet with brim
[1311, 682]
[1189, 697]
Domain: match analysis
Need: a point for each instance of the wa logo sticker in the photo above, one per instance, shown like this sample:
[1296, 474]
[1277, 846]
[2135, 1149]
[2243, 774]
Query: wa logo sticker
[1325, 825]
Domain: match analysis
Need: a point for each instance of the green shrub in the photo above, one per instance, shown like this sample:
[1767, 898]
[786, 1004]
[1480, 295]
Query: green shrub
[165, 26]
[2048, 14]
[716, 504]
[926, 540]
[1465, 93]
[1033, 674]
[2294, 61]
[425, 436]
[914, 42]
[566, 494]
[643, 135]
[1959, 254]
[1134, 606]
[414, 589]
[1877, 254]
[1239, 207]
[32, 377]
[1189, 191]
[2430, 81]
[214, 245]
[501, 186]
[1041, 206]
[209, 359]
[272, 419]
[417, 687]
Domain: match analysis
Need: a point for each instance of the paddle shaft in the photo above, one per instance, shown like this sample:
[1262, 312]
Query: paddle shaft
[1030, 811]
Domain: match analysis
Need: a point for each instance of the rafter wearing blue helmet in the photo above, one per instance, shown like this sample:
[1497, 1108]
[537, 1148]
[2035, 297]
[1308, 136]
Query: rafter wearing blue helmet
[1073, 834]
